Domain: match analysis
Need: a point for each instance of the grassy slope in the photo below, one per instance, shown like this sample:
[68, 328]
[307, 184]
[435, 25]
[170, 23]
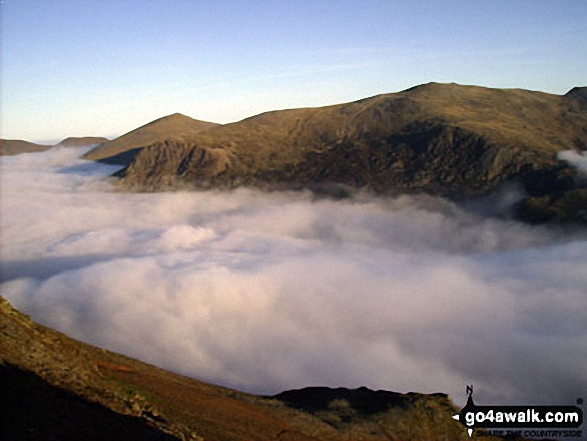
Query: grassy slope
[56, 386]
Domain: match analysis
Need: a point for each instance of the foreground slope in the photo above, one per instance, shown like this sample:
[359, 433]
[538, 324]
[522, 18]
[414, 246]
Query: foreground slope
[122, 149]
[439, 138]
[54, 386]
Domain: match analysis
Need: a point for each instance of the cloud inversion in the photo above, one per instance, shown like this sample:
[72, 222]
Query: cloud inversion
[274, 291]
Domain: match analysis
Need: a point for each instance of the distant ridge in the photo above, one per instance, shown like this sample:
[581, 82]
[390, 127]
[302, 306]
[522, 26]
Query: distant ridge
[9, 147]
[82, 141]
[122, 149]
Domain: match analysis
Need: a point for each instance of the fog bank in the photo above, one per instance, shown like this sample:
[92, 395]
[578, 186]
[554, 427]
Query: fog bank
[272, 291]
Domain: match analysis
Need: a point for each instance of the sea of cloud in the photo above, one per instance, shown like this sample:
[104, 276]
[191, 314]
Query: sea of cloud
[272, 291]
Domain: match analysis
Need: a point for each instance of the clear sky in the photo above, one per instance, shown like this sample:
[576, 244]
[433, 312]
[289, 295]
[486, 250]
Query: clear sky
[104, 67]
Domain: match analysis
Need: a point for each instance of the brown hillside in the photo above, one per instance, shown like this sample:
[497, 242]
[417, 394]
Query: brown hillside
[82, 141]
[54, 387]
[15, 146]
[440, 138]
[123, 148]
[10, 147]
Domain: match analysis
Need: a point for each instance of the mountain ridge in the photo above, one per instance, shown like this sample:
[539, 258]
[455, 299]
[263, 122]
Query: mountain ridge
[9, 147]
[439, 138]
[80, 141]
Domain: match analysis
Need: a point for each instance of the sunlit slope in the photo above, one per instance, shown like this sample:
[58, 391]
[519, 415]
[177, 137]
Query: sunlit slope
[82, 141]
[17, 146]
[176, 125]
[441, 138]
[54, 386]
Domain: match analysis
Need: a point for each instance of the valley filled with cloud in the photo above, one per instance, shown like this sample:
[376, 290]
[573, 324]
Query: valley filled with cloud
[272, 291]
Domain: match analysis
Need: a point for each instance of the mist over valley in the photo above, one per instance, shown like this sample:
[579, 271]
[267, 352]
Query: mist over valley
[293, 221]
[269, 291]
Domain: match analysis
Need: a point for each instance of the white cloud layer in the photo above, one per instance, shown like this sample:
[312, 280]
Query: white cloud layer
[577, 160]
[267, 292]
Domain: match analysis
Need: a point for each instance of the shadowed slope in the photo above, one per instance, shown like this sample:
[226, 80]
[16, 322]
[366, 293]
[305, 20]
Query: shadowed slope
[33, 409]
[580, 95]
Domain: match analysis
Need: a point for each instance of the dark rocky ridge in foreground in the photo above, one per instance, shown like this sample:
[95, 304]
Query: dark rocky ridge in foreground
[54, 387]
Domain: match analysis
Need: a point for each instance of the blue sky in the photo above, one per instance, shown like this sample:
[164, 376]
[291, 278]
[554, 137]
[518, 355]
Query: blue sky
[102, 68]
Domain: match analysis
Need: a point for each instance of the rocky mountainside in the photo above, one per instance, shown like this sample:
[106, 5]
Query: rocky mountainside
[439, 138]
[123, 149]
[54, 387]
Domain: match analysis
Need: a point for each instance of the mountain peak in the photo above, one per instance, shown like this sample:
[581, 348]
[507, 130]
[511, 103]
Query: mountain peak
[430, 85]
[175, 115]
[122, 149]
